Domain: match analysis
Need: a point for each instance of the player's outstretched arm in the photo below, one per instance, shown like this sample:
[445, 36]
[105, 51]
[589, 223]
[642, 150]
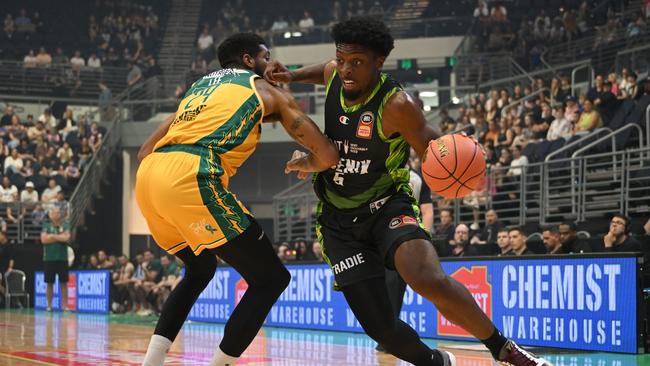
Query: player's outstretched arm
[401, 115]
[323, 154]
[320, 74]
[147, 147]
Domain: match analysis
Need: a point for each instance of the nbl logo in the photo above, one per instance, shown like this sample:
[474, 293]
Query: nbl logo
[365, 125]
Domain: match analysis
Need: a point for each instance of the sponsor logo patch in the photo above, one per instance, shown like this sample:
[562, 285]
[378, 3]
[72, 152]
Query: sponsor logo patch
[365, 125]
[402, 221]
[344, 120]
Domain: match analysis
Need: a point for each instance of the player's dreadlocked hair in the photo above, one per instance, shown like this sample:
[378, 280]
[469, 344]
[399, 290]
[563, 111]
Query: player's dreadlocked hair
[365, 31]
[233, 48]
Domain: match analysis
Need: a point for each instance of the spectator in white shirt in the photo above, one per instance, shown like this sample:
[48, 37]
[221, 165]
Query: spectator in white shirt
[13, 163]
[30, 60]
[280, 24]
[64, 153]
[518, 160]
[205, 41]
[481, 9]
[49, 194]
[77, 61]
[93, 61]
[560, 127]
[8, 191]
[47, 118]
[29, 194]
[307, 22]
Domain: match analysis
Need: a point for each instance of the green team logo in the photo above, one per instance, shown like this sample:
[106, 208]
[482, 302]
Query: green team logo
[209, 228]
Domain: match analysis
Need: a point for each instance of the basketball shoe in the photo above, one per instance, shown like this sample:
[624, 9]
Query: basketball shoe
[513, 355]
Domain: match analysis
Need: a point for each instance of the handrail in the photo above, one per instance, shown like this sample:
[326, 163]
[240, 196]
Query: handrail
[576, 142]
[573, 75]
[521, 69]
[523, 99]
[647, 125]
[611, 135]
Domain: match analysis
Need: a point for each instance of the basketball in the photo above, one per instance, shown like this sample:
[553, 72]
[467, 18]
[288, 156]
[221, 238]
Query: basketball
[454, 166]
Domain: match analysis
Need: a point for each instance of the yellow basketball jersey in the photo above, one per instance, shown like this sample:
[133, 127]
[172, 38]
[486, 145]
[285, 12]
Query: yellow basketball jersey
[219, 118]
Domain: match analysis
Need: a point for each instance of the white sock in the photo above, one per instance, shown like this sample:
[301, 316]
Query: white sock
[222, 359]
[158, 348]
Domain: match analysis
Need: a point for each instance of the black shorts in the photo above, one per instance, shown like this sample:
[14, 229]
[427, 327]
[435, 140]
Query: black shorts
[52, 268]
[361, 247]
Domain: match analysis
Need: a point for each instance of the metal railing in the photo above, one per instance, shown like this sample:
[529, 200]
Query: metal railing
[15, 78]
[90, 181]
[532, 95]
[636, 58]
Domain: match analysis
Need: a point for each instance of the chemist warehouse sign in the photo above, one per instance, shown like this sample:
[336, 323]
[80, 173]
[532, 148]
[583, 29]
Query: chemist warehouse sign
[579, 303]
[87, 291]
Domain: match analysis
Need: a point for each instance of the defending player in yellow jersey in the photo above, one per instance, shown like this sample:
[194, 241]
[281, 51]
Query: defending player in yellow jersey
[182, 189]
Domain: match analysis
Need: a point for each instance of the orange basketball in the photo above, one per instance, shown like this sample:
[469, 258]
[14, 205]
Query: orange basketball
[454, 166]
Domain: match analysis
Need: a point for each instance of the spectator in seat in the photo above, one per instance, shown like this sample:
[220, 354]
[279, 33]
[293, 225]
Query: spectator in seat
[15, 212]
[138, 275]
[13, 163]
[630, 90]
[169, 273]
[134, 76]
[37, 132]
[446, 226]
[43, 59]
[7, 116]
[560, 127]
[72, 173]
[569, 239]
[572, 109]
[152, 269]
[85, 153]
[205, 43]
[30, 60]
[76, 61]
[59, 57]
[306, 23]
[103, 260]
[503, 242]
[8, 191]
[518, 242]
[285, 253]
[317, 249]
[589, 120]
[460, 244]
[38, 215]
[618, 238]
[50, 193]
[376, 9]
[67, 124]
[280, 24]
[488, 234]
[598, 89]
[121, 279]
[94, 61]
[29, 195]
[553, 242]
[518, 160]
[95, 139]
[65, 153]
[49, 121]
[607, 103]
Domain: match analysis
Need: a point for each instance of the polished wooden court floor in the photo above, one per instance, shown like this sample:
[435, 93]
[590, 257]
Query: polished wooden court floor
[38, 338]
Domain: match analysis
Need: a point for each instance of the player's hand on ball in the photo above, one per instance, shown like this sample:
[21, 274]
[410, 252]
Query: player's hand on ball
[276, 73]
[294, 164]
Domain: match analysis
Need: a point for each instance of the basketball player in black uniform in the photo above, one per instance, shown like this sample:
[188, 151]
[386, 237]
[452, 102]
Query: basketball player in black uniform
[367, 218]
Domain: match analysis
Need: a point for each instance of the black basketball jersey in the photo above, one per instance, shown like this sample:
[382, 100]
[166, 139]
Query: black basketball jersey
[372, 166]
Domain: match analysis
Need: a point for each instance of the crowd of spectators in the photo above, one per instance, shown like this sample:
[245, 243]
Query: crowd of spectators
[140, 286]
[42, 160]
[236, 17]
[530, 34]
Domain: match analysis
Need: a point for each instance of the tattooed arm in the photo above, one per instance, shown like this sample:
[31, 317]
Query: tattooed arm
[322, 153]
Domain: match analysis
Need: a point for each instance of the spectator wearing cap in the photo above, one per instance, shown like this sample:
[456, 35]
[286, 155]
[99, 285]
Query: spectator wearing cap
[29, 195]
[571, 109]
